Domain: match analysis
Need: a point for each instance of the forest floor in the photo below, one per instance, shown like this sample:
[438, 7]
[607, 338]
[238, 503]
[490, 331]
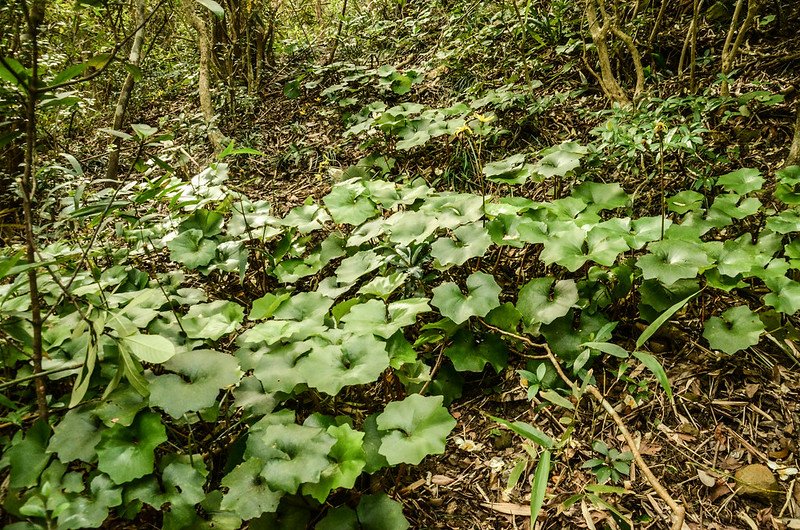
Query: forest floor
[728, 411]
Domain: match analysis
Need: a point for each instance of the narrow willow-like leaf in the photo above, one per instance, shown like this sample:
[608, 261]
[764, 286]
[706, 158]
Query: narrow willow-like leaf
[657, 323]
[527, 431]
[539, 486]
[654, 366]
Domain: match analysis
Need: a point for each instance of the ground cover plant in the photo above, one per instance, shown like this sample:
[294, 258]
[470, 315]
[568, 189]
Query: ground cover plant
[455, 265]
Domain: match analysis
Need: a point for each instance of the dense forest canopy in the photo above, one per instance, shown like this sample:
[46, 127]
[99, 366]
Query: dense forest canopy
[388, 264]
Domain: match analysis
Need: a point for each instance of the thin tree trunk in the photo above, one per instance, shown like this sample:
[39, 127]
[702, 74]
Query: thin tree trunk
[338, 33]
[134, 58]
[794, 151]
[34, 17]
[204, 74]
[599, 33]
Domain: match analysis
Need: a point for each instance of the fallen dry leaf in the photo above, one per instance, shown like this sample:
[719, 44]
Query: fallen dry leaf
[509, 508]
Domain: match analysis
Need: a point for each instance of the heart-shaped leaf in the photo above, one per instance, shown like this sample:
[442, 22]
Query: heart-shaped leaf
[742, 181]
[469, 353]
[198, 377]
[347, 462]
[414, 428]
[671, 260]
[76, 436]
[192, 249]
[212, 320]
[471, 241]
[354, 361]
[126, 453]
[349, 203]
[292, 454]
[540, 302]
[482, 296]
[248, 494]
[736, 329]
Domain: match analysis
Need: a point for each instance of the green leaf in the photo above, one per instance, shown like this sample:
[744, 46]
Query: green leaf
[482, 296]
[560, 160]
[306, 218]
[266, 306]
[654, 366]
[539, 485]
[788, 189]
[379, 512]
[540, 302]
[449, 210]
[192, 249]
[248, 494]
[557, 399]
[738, 328]
[666, 315]
[341, 518]
[198, 377]
[349, 203]
[510, 170]
[742, 181]
[277, 368]
[354, 267]
[347, 462]
[212, 6]
[149, 348]
[126, 453]
[143, 131]
[417, 426]
[471, 354]
[672, 260]
[600, 196]
[27, 456]
[91, 511]
[566, 246]
[471, 241]
[212, 320]
[607, 347]
[75, 437]
[292, 454]
[685, 201]
[409, 227]
[785, 295]
[357, 360]
[527, 431]
[304, 307]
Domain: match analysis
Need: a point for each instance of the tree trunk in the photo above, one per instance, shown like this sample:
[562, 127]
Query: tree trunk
[204, 73]
[794, 151]
[127, 89]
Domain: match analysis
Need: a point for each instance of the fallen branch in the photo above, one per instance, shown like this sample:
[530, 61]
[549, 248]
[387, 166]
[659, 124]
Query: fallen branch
[678, 512]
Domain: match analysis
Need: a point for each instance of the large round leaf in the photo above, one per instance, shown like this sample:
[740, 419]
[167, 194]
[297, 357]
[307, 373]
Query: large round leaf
[248, 494]
[212, 320]
[349, 203]
[415, 427]
[198, 378]
[347, 462]
[469, 353]
[126, 453]
[736, 329]
[192, 249]
[541, 303]
[292, 454]
[482, 296]
[356, 361]
[672, 260]
[470, 241]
